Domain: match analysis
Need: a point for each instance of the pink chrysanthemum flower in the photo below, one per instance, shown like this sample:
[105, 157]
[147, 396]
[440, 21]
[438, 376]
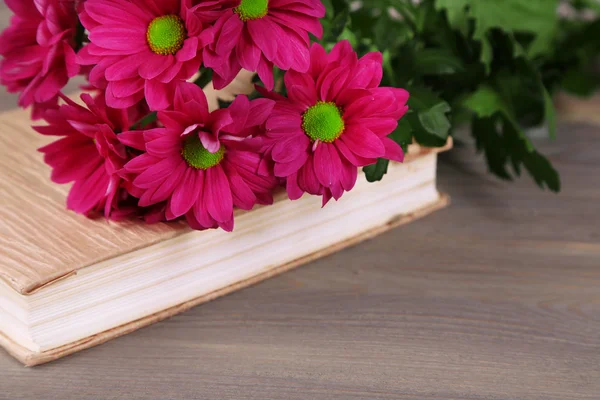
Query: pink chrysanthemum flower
[255, 34]
[90, 154]
[336, 118]
[141, 49]
[202, 164]
[38, 51]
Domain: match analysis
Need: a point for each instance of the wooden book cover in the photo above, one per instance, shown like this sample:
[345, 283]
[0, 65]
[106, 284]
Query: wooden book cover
[41, 243]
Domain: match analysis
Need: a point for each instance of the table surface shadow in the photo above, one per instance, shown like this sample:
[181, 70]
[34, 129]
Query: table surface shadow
[495, 297]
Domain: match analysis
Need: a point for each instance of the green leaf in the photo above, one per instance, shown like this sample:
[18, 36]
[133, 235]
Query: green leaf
[549, 112]
[145, 121]
[428, 117]
[403, 135]
[330, 9]
[206, 75]
[537, 165]
[348, 35]
[494, 63]
[375, 172]
[437, 62]
[340, 5]
[435, 121]
[542, 172]
[456, 12]
[590, 4]
[487, 102]
[492, 144]
[507, 147]
[80, 36]
[537, 17]
[382, 26]
[422, 98]
[223, 103]
[579, 82]
[528, 71]
[487, 54]
[337, 26]
[549, 109]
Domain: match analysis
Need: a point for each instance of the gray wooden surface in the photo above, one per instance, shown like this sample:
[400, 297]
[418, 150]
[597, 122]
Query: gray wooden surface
[496, 297]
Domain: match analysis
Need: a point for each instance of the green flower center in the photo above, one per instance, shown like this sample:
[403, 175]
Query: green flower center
[323, 122]
[252, 9]
[166, 34]
[197, 156]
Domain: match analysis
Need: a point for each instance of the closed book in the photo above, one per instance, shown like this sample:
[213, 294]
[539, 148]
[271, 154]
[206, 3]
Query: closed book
[68, 282]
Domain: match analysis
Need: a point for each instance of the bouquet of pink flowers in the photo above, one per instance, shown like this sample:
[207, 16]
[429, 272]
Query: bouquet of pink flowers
[143, 143]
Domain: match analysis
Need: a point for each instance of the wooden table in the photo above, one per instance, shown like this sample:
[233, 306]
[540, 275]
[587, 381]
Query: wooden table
[496, 297]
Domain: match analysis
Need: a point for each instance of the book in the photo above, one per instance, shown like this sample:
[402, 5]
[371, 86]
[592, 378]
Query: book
[68, 283]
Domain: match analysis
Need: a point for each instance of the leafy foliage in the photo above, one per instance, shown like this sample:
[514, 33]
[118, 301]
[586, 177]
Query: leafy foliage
[489, 64]
[512, 16]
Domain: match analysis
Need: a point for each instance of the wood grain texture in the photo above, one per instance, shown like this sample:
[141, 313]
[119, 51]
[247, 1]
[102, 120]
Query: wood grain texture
[498, 297]
[578, 109]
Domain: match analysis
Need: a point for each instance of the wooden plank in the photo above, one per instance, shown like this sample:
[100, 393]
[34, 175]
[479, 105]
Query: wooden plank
[498, 297]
